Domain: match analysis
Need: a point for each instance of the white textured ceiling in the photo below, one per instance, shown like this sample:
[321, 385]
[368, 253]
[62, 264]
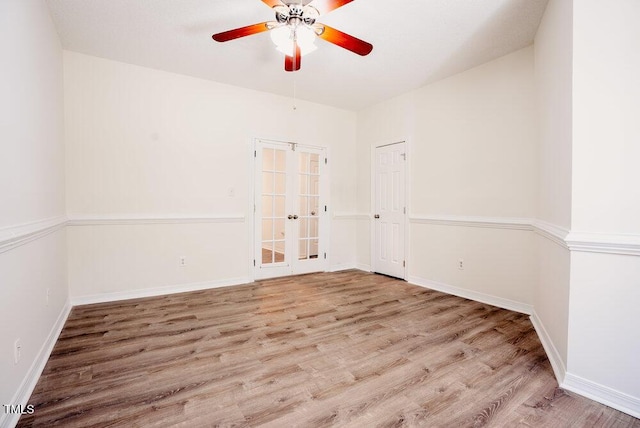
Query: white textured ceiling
[415, 42]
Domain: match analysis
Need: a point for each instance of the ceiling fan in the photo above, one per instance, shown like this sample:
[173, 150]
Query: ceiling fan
[295, 29]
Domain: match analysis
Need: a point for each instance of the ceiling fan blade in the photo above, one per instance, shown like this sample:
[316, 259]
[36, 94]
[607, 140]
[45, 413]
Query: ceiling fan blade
[225, 36]
[273, 3]
[346, 41]
[292, 63]
[326, 6]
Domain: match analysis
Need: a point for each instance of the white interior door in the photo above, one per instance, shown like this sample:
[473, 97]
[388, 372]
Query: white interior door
[290, 209]
[389, 210]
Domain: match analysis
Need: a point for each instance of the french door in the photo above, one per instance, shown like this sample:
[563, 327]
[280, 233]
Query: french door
[290, 209]
[388, 255]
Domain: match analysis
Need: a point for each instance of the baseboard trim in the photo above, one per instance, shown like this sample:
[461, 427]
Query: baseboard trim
[341, 266]
[363, 267]
[602, 394]
[29, 382]
[489, 299]
[156, 291]
[557, 364]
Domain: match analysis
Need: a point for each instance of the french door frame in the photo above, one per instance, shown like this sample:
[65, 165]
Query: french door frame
[407, 193]
[291, 265]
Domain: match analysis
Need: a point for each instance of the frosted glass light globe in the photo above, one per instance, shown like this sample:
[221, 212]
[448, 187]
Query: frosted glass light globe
[282, 37]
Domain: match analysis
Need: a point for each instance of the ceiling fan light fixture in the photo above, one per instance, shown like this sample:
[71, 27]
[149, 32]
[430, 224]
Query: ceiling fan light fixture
[283, 37]
[296, 28]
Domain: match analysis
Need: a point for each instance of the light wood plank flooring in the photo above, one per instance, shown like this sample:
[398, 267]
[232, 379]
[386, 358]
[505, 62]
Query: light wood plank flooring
[329, 349]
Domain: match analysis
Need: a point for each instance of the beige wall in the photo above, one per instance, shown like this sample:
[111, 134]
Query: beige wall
[546, 135]
[145, 143]
[606, 63]
[475, 141]
[605, 280]
[472, 141]
[553, 73]
[32, 193]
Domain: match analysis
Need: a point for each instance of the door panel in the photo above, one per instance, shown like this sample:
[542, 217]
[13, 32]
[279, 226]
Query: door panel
[389, 206]
[271, 208]
[289, 221]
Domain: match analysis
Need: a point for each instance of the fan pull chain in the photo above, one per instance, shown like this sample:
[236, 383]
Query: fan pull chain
[295, 107]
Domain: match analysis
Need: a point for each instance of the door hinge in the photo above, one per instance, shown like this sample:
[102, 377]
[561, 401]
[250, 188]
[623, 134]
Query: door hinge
[254, 262]
[404, 156]
[255, 153]
[325, 255]
[404, 264]
[325, 161]
[325, 208]
[404, 210]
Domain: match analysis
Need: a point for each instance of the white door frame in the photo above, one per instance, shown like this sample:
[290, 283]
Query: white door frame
[324, 217]
[407, 192]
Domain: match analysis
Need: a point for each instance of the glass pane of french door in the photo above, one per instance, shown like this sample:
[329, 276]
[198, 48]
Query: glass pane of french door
[273, 198]
[309, 205]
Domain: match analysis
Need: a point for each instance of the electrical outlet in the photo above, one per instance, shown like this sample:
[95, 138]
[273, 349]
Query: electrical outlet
[461, 264]
[17, 351]
[183, 261]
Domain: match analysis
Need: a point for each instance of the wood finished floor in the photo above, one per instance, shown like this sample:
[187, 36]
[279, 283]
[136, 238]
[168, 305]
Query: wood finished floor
[329, 349]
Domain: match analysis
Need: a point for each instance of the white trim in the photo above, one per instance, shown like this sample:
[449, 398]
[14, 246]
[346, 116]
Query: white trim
[14, 236]
[372, 206]
[341, 266]
[30, 380]
[251, 209]
[557, 364]
[156, 291]
[351, 216]
[628, 245]
[363, 267]
[77, 220]
[291, 265]
[408, 157]
[500, 302]
[603, 394]
[474, 221]
[407, 200]
[554, 233]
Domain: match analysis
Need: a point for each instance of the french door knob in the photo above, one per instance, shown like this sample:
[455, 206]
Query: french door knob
[289, 216]
[376, 216]
[295, 216]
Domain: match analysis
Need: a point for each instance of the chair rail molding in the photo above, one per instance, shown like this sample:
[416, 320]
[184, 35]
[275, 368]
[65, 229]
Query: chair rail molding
[550, 231]
[102, 220]
[20, 234]
[473, 221]
[553, 232]
[622, 244]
